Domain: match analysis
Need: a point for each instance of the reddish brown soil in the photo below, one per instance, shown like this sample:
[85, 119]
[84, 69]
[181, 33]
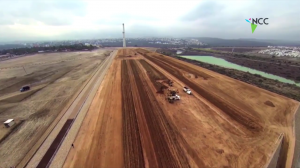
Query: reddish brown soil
[247, 120]
[158, 123]
[131, 136]
[224, 123]
[269, 103]
[242, 106]
[99, 140]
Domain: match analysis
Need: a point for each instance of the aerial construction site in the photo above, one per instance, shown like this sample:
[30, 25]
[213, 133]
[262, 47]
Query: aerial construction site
[137, 108]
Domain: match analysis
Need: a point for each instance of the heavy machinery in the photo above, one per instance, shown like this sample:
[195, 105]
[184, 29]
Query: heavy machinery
[172, 96]
[187, 90]
[162, 88]
[24, 88]
[170, 82]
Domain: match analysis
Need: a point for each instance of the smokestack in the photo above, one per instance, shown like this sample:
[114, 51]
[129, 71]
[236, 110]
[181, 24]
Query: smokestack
[124, 42]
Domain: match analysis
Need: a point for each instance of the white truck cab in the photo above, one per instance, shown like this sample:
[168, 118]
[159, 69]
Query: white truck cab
[187, 90]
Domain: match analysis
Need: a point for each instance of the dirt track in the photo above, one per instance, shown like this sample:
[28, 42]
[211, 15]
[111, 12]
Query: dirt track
[102, 124]
[225, 123]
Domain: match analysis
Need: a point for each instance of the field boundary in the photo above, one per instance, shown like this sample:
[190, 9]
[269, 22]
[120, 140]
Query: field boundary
[106, 64]
[34, 149]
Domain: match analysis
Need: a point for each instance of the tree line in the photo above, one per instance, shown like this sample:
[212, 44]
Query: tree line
[60, 48]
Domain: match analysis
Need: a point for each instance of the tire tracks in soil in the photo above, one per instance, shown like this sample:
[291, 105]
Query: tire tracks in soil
[148, 148]
[133, 152]
[252, 124]
[167, 149]
[188, 148]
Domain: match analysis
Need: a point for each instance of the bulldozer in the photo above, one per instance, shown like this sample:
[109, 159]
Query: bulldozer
[168, 82]
[162, 88]
[172, 95]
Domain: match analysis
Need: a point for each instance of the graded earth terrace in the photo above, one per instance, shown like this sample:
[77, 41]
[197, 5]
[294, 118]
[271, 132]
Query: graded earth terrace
[128, 108]
[224, 123]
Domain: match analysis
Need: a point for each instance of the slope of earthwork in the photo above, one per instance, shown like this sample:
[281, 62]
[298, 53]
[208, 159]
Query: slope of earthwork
[106, 147]
[257, 112]
[154, 75]
[167, 149]
[133, 154]
[98, 142]
[249, 122]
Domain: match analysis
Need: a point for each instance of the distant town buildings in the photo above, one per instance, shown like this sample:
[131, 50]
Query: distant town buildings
[101, 42]
[282, 51]
[175, 41]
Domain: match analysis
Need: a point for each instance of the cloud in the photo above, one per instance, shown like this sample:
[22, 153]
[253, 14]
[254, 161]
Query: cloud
[75, 19]
[48, 12]
[205, 10]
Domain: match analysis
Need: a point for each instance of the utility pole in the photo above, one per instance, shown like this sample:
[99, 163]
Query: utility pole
[24, 70]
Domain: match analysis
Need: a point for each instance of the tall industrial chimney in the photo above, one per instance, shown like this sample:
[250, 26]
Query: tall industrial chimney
[124, 42]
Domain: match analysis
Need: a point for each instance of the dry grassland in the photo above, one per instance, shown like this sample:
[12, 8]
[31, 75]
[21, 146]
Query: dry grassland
[54, 78]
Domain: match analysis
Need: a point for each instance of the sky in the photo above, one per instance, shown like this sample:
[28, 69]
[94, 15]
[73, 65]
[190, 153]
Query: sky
[86, 19]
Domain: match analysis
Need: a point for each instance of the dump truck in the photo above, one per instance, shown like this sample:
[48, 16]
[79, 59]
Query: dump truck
[187, 90]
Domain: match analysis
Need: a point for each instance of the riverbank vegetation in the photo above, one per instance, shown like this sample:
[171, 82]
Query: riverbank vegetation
[33, 50]
[283, 67]
[288, 90]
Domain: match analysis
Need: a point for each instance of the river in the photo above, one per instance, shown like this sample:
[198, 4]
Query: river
[226, 64]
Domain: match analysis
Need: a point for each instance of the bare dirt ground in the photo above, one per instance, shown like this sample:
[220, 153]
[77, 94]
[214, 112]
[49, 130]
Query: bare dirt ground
[253, 118]
[54, 79]
[103, 127]
[224, 123]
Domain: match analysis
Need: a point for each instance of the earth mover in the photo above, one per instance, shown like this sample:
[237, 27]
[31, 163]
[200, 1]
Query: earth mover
[170, 83]
[172, 96]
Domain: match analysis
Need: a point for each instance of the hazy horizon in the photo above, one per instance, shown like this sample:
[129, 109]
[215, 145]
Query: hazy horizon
[34, 20]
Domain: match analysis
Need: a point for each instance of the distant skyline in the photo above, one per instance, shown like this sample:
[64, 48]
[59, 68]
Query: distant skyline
[35, 20]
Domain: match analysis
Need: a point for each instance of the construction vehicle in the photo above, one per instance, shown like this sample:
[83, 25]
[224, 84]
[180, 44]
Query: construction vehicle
[187, 90]
[172, 96]
[24, 88]
[170, 82]
[162, 88]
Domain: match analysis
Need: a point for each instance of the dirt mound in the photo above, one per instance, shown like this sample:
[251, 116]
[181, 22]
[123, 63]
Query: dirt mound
[269, 103]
